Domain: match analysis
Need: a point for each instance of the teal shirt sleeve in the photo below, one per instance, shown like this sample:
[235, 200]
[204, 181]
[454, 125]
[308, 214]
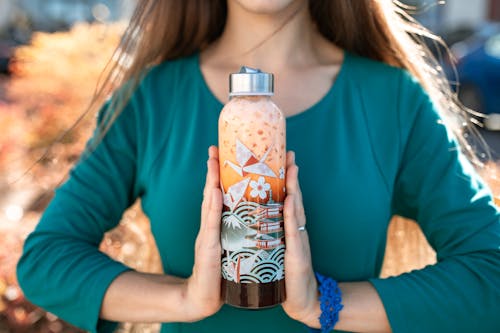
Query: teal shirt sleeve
[61, 268]
[437, 187]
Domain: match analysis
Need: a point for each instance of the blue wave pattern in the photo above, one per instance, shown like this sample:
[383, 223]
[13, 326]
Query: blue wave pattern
[241, 212]
[266, 267]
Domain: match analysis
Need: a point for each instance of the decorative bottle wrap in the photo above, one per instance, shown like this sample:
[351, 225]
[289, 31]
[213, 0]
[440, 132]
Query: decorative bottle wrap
[252, 157]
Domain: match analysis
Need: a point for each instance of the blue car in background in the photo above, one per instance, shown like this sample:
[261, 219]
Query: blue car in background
[478, 70]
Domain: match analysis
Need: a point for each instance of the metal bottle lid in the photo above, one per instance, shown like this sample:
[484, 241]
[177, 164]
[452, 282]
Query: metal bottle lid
[251, 81]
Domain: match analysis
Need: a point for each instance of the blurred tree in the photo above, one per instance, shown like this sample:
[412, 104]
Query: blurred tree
[53, 80]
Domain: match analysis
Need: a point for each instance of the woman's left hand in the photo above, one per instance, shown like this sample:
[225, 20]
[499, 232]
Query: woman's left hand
[301, 287]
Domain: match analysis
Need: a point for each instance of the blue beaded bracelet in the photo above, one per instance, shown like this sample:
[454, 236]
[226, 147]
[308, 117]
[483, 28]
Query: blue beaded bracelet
[330, 302]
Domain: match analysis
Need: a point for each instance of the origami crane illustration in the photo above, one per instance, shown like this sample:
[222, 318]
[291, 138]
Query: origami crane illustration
[235, 193]
[248, 162]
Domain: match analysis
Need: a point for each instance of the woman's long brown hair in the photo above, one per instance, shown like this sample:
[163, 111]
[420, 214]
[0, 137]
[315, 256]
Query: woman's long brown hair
[163, 30]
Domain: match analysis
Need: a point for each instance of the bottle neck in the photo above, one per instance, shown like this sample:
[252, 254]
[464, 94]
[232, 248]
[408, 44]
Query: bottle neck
[252, 97]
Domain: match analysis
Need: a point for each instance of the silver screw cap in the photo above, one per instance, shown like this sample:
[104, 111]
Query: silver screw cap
[251, 81]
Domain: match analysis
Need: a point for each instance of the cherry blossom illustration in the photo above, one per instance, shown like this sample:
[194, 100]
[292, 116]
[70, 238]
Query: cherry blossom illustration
[248, 162]
[259, 188]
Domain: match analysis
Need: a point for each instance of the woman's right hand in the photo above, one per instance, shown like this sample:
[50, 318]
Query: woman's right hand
[202, 288]
[143, 297]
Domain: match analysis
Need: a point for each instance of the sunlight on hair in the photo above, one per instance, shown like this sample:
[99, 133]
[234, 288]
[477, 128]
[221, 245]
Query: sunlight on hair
[414, 54]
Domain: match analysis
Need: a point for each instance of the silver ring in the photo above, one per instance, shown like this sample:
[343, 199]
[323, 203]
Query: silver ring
[302, 228]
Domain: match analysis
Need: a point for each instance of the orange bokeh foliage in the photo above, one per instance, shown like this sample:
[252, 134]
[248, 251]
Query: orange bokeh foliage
[52, 83]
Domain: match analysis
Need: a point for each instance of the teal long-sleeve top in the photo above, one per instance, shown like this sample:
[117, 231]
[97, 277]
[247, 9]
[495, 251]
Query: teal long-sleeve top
[372, 147]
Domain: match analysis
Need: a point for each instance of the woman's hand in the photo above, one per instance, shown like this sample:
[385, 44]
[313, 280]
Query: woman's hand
[363, 310]
[142, 297]
[202, 293]
[301, 287]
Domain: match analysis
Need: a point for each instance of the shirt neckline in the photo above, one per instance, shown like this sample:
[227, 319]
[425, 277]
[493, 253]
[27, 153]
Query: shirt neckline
[337, 82]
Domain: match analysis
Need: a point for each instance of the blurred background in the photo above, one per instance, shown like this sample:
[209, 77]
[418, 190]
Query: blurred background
[51, 55]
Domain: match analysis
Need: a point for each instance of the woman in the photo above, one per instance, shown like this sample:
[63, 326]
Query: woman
[370, 143]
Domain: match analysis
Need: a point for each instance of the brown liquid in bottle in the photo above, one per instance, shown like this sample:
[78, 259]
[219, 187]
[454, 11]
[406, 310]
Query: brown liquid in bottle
[252, 157]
